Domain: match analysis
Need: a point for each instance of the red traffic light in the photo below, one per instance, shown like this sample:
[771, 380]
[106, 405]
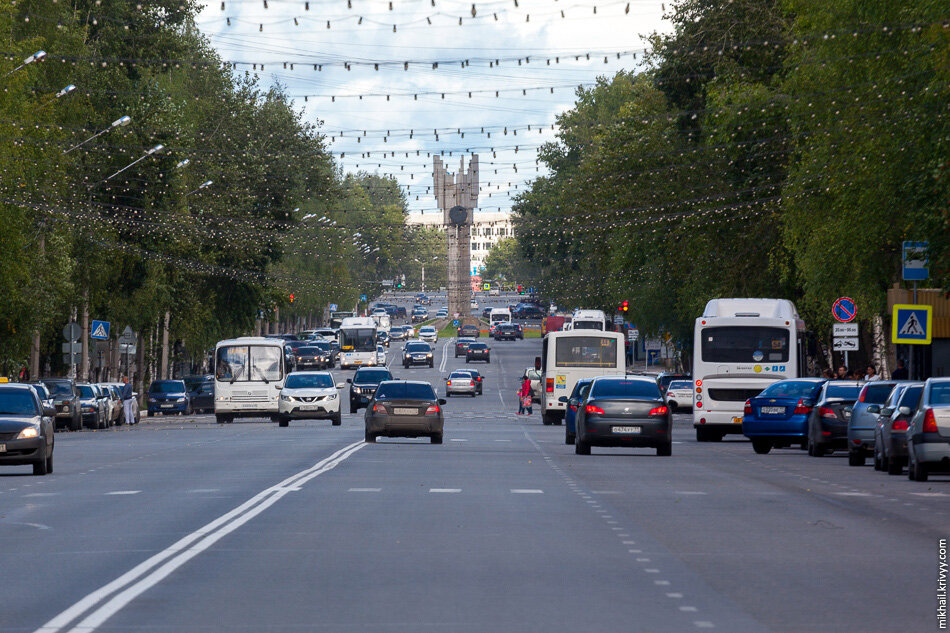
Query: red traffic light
[292, 297]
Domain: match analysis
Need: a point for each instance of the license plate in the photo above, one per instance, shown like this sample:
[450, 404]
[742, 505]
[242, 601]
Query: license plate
[625, 429]
[846, 414]
[167, 406]
[772, 410]
[402, 411]
[737, 420]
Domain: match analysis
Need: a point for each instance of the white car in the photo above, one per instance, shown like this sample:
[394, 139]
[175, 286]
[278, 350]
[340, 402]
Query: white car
[679, 395]
[309, 395]
[428, 334]
[380, 355]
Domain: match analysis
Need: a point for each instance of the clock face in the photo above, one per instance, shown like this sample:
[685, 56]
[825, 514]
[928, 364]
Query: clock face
[458, 215]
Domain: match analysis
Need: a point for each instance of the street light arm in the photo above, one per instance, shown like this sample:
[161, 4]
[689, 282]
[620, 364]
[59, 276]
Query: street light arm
[148, 153]
[120, 122]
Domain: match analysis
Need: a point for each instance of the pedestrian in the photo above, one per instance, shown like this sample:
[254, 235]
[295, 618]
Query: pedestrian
[900, 372]
[828, 374]
[842, 373]
[128, 400]
[524, 395]
[857, 374]
[871, 374]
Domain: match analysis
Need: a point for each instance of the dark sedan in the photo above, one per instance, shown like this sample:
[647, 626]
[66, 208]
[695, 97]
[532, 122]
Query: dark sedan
[778, 417]
[507, 331]
[864, 418]
[417, 353]
[578, 395]
[202, 397]
[890, 434]
[469, 331]
[312, 357]
[363, 385]
[26, 429]
[461, 346]
[402, 408]
[478, 351]
[66, 401]
[828, 422]
[624, 411]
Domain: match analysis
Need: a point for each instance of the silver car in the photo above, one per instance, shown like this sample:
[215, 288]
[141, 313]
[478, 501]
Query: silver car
[928, 438]
[460, 382]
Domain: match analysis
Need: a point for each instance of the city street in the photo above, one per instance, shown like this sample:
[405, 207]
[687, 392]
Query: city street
[180, 524]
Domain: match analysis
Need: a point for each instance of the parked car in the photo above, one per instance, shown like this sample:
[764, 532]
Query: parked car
[92, 406]
[778, 416]
[113, 403]
[402, 408]
[168, 396]
[477, 377]
[534, 375]
[428, 334]
[66, 400]
[507, 331]
[459, 382]
[469, 331]
[26, 429]
[679, 395]
[363, 385]
[928, 438]
[478, 351]
[890, 434]
[828, 421]
[202, 397]
[417, 353]
[46, 397]
[461, 345]
[309, 395]
[863, 422]
[578, 394]
[623, 411]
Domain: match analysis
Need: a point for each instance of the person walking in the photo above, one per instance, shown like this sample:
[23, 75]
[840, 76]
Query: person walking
[128, 400]
[900, 372]
[524, 395]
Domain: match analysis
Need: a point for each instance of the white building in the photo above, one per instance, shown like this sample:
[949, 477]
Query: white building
[488, 228]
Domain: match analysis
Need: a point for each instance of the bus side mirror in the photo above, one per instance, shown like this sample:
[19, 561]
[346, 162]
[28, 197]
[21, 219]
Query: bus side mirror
[537, 363]
[562, 399]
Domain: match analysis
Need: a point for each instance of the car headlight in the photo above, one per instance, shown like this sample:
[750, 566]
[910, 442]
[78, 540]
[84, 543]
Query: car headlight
[222, 399]
[87, 408]
[285, 397]
[428, 355]
[332, 396]
[180, 401]
[28, 432]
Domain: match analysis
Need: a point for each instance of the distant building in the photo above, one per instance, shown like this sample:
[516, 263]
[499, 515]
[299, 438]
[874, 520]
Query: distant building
[488, 228]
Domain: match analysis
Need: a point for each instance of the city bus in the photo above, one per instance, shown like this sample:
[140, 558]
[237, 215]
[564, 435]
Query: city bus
[357, 337]
[589, 320]
[249, 373]
[741, 346]
[568, 356]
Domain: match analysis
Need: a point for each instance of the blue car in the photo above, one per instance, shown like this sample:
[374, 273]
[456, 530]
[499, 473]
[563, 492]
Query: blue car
[168, 396]
[570, 412]
[778, 417]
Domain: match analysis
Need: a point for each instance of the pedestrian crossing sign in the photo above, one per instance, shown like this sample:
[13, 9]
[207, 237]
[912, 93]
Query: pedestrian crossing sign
[912, 324]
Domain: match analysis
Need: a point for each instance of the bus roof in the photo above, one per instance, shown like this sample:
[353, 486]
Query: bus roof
[252, 340]
[570, 333]
[589, 315]
[762, 308]
[349, 322]
[500, 311]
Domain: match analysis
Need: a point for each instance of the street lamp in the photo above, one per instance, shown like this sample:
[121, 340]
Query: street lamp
[38, 56]
[149, 152]
[206, 183]
[120, 122]
[183, 163]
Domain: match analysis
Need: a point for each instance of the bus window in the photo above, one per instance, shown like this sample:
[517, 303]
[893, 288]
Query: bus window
[358, 340]
[231, 362]
[586, 351]
[738, 344]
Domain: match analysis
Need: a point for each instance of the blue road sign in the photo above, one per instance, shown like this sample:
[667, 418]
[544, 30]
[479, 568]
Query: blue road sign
[844, 309]
[653, 355]
[100, 330]
[362, 297]
[332, 307]
[912, 324]
[455, 322]
[915, 261]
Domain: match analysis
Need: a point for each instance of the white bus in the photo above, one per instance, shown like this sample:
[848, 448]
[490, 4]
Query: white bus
[499, 315]
[589, 320]
[249, 373]
[568, 356]
[741, 346]
[383, 322]
[357, 337]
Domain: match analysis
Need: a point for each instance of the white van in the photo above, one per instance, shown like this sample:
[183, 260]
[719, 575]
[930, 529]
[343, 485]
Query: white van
[589, 320]
[248, 375]
[499, 315]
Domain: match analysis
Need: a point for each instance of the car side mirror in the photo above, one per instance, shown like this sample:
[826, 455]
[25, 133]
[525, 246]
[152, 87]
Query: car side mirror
[904, 410]
[573, 402]
[349, 380]
[442, 401]
[562, 399]
[886, 411]
[874, 408]
[48, 411]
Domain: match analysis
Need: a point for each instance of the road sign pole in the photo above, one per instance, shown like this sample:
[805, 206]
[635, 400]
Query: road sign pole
[913, 351]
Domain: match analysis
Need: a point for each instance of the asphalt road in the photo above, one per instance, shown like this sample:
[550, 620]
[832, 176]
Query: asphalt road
[183, 525]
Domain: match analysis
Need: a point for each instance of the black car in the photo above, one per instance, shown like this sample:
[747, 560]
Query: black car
[66, 401]
[417, 353]
[477, 377]
[401, 311]
[382, 337]
[624, 411]
[529, 312]
[478, 351]
[468, 331]
[890, 434]
[508, 332]
[363, 385]
[402, 408]
[486, 312]
[202, 397]
[828, 422]
[326, 353]
[311, 357]
[461, 346]
[26, 429]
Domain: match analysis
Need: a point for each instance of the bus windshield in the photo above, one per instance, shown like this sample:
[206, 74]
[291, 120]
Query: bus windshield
[586, 351]
[741, 344]
[254, 363]
[358, 340]
[588, 325]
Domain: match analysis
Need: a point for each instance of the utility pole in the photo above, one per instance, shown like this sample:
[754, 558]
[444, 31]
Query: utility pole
[35, 346]
[164, 369]
[84, 359]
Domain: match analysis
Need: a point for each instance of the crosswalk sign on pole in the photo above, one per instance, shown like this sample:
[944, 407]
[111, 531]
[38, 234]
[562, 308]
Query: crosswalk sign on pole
[100, 330]
[912, 324]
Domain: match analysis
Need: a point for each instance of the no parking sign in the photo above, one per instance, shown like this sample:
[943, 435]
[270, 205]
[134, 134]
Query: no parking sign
[844, 309]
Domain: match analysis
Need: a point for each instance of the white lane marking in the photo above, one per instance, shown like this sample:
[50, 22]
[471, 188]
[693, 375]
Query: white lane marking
[688, 492]
[852, 494]
[365, 490]
[445, 356]
[652, 571]
[41, 494]
[704, 624]
[628, 542]
[148, 573]
[605, 492]
[661, 583]
[457, 440]
[197, 491]
[674, 595]
[445, 490]
[124, 492]
[635, 551]
[502, 440]
[643, 560]
[917, 494]
[689, 609]
[526, 491]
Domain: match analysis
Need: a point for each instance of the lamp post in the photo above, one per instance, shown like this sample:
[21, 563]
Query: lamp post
[38, 56]
[203, 185]
[59, 95]
[120, 122]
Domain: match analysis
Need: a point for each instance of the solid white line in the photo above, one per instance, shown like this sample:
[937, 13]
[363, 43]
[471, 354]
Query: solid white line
[364, 490]
[124, 492]
[526, 491]
[446, 490]
[183, 550]
[445, 356]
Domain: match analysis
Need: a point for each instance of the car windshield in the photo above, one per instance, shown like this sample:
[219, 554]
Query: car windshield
[876, 393]
[165, 386]
[625, 389]
[418, 347]
[843, 392]
[249, 363]
[939, 393]
[308, 351]
[18, 402]
[371, 376]
[681, 384]
[405, 391]
[790, 389]
[309, 381]
[59, 388]
[86, 391]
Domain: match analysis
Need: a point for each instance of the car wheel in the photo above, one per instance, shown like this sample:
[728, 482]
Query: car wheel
[189, 410]
[878, 462]
[76, 424]
[369, 438]
[354, 408]
[221, 419]
[761, 446]
[39, 467]
[436, 439]
[915, 470]
[148, 413]
[49, 462]
[856, 457]
[581, 448]
[282, 421]
[474, 394]
[337, 420]
[672, 405]
[568, 437]
[666, 449]
[701, 435]
[894, 467]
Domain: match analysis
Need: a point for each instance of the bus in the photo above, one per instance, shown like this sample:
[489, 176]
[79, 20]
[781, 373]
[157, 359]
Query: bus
[337, 316]
[568, 356]
[499, 315]
[589, 320]
[357, 337]
[249, 373]
[741, 346]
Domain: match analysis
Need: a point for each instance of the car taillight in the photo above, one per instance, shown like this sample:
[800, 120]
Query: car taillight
[825, 412]
[659, 411]
[699, 405]
[747, 410]
[449, 383]
[900, 425]
[863, 394]
[930, 422]
[479, 379]
[378, 408]
[593, 409]
[432, 410]
[801, 408]
[573, 408]
[549, 385]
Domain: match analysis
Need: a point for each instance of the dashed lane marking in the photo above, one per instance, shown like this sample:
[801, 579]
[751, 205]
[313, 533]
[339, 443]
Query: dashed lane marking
[124, 492]
[526, 491]
[364, 490]
[445, 490]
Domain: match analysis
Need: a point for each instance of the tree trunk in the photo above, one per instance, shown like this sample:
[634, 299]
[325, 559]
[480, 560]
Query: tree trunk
[164, 370]
[84, 362]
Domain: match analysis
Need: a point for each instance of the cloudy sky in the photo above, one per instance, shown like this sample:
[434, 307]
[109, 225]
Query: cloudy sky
[390, 83]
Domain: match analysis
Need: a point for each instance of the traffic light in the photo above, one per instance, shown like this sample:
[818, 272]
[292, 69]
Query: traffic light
[292, 297]
[625, 306]
[520, 290]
